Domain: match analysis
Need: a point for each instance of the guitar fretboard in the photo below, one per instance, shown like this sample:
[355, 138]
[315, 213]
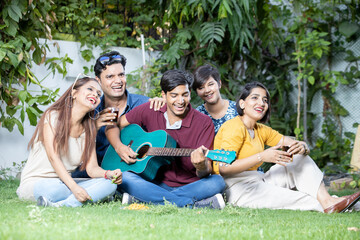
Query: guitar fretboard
[170, 152]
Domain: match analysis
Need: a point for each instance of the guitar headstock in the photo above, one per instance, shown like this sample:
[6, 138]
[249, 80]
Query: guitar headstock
[222, 156]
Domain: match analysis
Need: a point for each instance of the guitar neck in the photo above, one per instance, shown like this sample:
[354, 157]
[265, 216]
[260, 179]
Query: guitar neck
[170, 152]
[217, 155]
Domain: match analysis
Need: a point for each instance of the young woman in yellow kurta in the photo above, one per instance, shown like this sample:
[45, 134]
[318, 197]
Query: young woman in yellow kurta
[294, 182]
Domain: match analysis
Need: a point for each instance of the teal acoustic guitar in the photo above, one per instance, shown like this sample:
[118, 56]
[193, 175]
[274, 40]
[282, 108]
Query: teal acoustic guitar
[154, 149]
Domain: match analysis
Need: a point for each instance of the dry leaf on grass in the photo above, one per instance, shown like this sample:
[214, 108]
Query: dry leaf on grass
[137, 206]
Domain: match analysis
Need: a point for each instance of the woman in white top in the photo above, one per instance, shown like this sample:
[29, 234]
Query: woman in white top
[63, 140]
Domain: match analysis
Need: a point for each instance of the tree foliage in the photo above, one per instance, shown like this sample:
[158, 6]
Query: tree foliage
[22, 23]
[273, 42]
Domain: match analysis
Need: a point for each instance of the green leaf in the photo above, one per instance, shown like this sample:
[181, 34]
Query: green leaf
[12, 28]
[211, 31]
[22, 69]
[34, 111]
[19, 125]
[318, 52]
[87, 70]
[183, 35]
[37, 56]
[31, 116]
[10, 110]
[22, 115]
[42, 99]
[87, 54]
[311, 80]
[13, 59]
[32, 101]
[226, 5]
[300, 76]
[173, 53]
[2, 54]
[14, 12]
[9, 124]
[22, 96]
[348, 29]
[222, 12]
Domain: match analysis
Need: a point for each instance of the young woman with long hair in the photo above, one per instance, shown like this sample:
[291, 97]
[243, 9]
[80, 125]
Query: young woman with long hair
[63, 140]
[294, 182]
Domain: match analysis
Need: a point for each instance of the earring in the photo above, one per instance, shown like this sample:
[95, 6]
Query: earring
[95, 114]
[69, 101]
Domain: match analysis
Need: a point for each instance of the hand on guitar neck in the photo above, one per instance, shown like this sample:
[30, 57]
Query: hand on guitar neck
[200, 162]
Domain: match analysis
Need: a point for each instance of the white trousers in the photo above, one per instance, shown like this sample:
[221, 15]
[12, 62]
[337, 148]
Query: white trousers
[292, 187]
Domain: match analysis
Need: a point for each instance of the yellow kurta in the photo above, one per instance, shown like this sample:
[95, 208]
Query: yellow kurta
[233, 136]
[274, 189]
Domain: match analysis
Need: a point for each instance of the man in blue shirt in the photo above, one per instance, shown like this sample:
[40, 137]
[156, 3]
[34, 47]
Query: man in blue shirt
[110, 72]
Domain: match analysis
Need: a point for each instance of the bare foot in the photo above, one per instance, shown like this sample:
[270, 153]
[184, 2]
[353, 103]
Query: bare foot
[332, 201]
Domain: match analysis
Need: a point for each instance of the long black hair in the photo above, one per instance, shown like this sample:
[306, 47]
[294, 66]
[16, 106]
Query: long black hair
[246, 92]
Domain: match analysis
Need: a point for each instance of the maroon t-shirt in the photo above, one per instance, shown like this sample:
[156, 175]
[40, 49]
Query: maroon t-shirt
[196, 129]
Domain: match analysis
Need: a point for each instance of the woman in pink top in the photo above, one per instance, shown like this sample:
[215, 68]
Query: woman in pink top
[294, 182]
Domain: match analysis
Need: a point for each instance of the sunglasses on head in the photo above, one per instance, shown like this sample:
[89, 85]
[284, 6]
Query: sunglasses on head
[104, 60]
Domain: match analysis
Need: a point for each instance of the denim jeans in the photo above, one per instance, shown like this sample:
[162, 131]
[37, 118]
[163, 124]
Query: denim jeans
[56, 191]
[157, 193]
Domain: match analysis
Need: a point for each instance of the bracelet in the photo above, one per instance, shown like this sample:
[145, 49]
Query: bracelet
[105, 175]
[259, 157]
[307, 151]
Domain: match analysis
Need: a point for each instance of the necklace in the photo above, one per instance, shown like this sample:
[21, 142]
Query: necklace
[249, 129]
[251, 132]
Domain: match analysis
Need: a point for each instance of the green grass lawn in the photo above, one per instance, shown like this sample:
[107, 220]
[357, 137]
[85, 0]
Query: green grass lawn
[24, 220]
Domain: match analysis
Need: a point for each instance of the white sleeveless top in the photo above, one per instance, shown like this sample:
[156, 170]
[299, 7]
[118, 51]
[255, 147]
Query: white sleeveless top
[38, 165]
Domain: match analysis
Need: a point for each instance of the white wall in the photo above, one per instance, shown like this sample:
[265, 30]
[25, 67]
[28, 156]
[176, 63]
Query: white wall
[13, 145]
[348, 96]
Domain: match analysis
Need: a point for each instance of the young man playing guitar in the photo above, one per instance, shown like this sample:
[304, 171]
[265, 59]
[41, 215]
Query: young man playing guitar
[186, 181]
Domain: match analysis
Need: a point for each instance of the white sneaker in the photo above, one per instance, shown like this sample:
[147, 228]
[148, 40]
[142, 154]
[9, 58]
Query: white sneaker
[128, 199]
[42, 201]
[215, 202]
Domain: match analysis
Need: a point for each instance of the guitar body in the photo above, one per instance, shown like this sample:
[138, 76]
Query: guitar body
[145, 166]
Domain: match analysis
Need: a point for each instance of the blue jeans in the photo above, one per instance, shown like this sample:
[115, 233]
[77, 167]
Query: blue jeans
[157, 193]
[56, 191]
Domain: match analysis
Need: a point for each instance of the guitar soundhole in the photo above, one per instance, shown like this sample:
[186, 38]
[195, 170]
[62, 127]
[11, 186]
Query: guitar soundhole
[142, 151]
